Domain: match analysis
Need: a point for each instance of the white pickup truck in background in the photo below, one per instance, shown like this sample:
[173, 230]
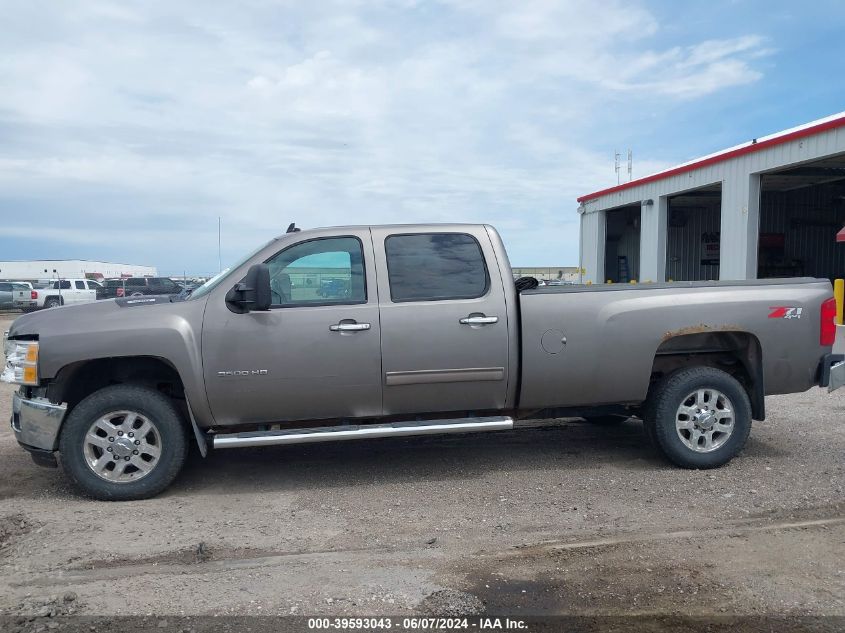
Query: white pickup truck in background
[57, 293]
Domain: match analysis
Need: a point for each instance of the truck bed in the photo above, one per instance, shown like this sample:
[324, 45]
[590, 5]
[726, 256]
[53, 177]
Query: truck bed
[613, 334]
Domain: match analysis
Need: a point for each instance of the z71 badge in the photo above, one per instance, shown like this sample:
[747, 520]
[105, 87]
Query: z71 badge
[785, 312]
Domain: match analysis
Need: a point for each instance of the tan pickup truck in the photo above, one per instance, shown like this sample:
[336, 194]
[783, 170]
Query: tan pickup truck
[383, 331]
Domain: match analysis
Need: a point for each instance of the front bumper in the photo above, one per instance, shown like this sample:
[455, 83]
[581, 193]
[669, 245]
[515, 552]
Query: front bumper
[36, 422]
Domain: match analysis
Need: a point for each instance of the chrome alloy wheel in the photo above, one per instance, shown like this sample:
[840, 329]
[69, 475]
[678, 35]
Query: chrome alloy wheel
[122, 446]
[705, 420]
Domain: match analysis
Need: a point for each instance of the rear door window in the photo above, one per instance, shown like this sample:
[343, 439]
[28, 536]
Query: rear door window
[80, 285]
[435, 267]
[167, 284]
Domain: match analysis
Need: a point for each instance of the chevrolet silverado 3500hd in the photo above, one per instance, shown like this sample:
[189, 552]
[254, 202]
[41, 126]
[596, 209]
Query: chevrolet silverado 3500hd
[424, 332]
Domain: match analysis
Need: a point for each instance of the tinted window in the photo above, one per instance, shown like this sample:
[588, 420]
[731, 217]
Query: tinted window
[435, 266]
[80, 285]
[114, 283]
[319, 272]
[136, 282]
[63, 285]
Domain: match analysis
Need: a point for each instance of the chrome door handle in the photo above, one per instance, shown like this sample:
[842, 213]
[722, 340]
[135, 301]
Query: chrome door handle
[349, 327]
[479, 320]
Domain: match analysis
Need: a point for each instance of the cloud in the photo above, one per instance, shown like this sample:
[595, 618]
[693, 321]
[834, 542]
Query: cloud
[325, 113]
[693, 71]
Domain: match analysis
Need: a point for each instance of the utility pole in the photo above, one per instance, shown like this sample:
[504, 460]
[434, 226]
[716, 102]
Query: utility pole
[219, 252]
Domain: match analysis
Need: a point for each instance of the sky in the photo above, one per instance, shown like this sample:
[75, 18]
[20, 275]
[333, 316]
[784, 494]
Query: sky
[128, 128]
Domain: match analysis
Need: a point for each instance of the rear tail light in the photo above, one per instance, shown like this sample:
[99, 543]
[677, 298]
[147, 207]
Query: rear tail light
[827, 333]
[33, 294]
[120, 292]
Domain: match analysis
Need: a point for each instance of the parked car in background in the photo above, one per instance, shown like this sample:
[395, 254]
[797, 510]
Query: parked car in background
[333, 288]
[111, 288]
[7, 289]
[138, 286]
[57, 293]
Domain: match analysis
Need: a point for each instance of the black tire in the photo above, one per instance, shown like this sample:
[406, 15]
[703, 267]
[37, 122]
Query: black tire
[53, 302]
[157, 408]
[662, 408]
[606, 420]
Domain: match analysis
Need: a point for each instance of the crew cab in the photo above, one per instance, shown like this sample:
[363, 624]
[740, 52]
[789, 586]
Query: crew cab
[57, 293]
[430, 335]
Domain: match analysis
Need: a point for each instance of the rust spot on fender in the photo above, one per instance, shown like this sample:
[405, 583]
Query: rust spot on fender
[701, 328]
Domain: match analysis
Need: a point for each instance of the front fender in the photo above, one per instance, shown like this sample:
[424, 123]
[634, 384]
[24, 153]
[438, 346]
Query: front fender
[107, 329]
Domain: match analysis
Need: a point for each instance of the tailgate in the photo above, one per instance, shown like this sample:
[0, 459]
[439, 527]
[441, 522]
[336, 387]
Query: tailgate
[23, 296]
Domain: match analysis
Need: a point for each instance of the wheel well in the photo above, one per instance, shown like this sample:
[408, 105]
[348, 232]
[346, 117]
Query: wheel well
[737, 353]
[78, 380]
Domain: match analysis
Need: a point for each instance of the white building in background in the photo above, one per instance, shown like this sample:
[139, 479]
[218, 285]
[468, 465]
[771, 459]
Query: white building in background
[70, 268]
[568, 274]
[771, 207]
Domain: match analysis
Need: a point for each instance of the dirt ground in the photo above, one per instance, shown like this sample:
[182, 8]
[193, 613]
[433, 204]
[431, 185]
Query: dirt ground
[554, 518]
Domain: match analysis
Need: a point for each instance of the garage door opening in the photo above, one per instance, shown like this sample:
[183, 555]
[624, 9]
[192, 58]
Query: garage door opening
[693, 224]
[801, 210]
[622, 245]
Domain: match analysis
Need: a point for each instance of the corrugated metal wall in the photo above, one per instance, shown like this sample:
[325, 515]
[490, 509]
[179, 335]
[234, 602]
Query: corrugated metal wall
[809, 219]
[591, 258]
[684, 243]
[739, 222]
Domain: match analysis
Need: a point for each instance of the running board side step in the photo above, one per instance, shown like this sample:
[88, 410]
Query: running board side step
[360, 432]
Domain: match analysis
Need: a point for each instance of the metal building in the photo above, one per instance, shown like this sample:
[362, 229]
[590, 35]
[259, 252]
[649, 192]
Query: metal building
[31, 270]
[767, 208]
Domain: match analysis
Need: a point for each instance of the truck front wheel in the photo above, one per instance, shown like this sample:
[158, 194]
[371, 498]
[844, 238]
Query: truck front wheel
[123, 442]
[698, 417]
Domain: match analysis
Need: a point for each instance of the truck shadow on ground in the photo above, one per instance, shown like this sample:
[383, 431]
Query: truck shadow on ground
[570, 445]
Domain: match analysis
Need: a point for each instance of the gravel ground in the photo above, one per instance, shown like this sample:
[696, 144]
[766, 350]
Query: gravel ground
[555, 517]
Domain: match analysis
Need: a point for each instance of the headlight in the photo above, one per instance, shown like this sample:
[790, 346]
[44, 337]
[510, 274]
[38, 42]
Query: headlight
[21, 362]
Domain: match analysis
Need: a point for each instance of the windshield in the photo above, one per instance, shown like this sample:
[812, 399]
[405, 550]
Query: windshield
[215, 281]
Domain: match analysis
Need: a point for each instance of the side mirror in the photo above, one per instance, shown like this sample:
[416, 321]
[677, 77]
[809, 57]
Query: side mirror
[252, 293]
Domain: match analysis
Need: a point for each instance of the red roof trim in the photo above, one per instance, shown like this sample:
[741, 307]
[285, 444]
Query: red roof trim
[704, 162]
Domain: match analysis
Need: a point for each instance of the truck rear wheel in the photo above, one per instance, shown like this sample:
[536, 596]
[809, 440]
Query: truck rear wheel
[698, 417]
[52, 302]
[123, 442]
